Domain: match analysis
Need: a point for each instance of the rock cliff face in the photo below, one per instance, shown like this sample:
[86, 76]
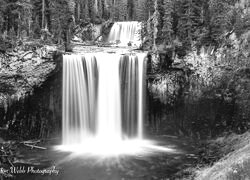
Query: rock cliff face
[23, 70]
[88, 32]
[29, 93]
[204, 93]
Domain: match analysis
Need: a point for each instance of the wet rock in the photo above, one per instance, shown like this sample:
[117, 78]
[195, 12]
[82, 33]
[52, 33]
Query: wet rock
[130, 173]
[153, 167]
[168, 87]
[18, 80]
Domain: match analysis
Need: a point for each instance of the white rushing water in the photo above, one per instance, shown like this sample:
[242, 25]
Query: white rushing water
[103, 99]
[124, 33]
[141, 97]
[109, 98]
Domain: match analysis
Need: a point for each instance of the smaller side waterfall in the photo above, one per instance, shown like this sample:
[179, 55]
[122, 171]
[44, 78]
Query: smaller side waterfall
[125, 33]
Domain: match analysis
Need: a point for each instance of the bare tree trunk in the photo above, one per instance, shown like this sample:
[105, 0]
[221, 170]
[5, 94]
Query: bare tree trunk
[43, 14]
[68, 37]
[18, 28]
[78, 11]
[29, 24]
[70, 25]
[96, 7]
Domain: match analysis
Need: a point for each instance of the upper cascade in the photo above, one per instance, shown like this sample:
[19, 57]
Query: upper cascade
[126, 33]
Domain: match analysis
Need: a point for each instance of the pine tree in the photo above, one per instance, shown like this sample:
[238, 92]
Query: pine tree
[141, 9]
[158, 22]
[122, 9]
[150, 7]
[167, 30]
[189, 22]
[91, 9]
[60, 18]
[219, 19]
[105, 10]
[3, 17]
[131, 10]
[24, 9]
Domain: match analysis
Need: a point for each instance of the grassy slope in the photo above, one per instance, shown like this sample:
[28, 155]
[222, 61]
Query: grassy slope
[235, 165]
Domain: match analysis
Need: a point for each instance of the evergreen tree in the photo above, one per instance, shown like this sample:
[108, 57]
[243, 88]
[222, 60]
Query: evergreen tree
[167, 30]
[141, 10]
[3, 17]
[131, 10]
[24, 11]
[123, 10]
[189, 21]
[158, 22]
[149, 7]
[219, 19]
[60, 18]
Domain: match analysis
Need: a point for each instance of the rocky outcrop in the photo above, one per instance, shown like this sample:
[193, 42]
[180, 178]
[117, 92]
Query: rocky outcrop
[21, 72]
[92, 33]
[29, 96]
[208, 94]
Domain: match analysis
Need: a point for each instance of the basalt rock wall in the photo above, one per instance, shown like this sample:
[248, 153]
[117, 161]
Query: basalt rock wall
[202, 94]
[34, 112]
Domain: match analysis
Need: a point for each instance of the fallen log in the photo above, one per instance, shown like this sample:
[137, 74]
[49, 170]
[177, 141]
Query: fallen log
[31, 142]
[34, 146]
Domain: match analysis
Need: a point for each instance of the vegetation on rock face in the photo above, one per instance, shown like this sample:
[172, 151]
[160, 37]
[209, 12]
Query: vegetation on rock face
[210, 91]
[209, 51]
[21, 75]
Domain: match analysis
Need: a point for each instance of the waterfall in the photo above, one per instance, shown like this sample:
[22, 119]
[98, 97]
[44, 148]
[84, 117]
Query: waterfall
[124, 33]
[103, 97]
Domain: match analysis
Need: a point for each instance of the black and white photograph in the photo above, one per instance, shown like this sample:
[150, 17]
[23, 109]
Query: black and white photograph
[124, 89]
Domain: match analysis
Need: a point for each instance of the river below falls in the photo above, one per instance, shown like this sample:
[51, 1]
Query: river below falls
[158, 165]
